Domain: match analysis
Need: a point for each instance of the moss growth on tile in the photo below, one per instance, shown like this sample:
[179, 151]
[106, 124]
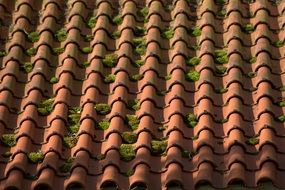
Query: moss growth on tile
[248, 28]
[116, 34]
[61, 35]
[221, 90]
[31, 51]
[110, 60]
[193, 61]
[3, 53]
[158, 147]
[134, 104]
[53, 80]
[6, 154]
[104, 124]
[129, 137]
[45, 107]
[252, 60]
[58, 50]
[281, 118]
[192, 76]
[86, 50]
[36, 157]
[252, 141]
[88, 38]
[252, 74]
[221, 121]
[195, 47]
[139, 31]
[86, 64]
[8, 139]
[282, 88]
[91, 23]
[138, 63]
[70, 141]
[136, 77]
[28, 67]
[130, 172]
[221, 56]
[191, 120]
[110, 78]
[140, 44]
[118, 19]
[281, 103]
[167, 33]
[221, 1]
[132, 121]
[194, 137]
[219, 69]
[185, 154]
[127, 152]
[143, 12]
[196, 31]
[66, 166]
[162, 127]
[73, 119]
[168, 77]
[278, 43]
[100, 157]
[222, 12]
[168, 7]
[102, 109]
[33, 36]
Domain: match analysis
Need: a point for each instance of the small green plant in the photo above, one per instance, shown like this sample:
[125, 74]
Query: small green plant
[116, 34]
[110, 78]
[28, 67]
[139, 31]
[162, 127]
[31, 51]
[219, 69]
[222, 12]
[158, 147]
[36, 157]
[129, 137]
[132, 121]
[168, 33]
[86, 64]
[6, 154]
[195, 137]
[185, 154]
[191, 120]
[192, 76]
[86, 50]
[73, 119]
[140, 44]
[252, 60]
[221, 56]
[45, 107]
[66, 166]
[70, 141]
[91, 23]
[136, 77]
[252, 74]
[34, 36]
[110, 60]
[193, 61]
[138, 63]
[61, 35]
[281, 118]
[134, 104]
[127, 152]
[102, 109]
[53, 80]
[118, 19]
[221, 90]
[278, 43]
[58, 50]
[100, 157]
[104, 124]
[88, 38]
[196, 31]
[3, 53]
[168, 77]
[282, 88]
[130, 172]
[248, 28]
[252, 141]
[9, 139]
[281, 103]
[221, 121]
[143, 12]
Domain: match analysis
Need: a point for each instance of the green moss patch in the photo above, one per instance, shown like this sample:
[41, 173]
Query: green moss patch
[132, 121]
[191, 120]
[31, 51]
[221, 121]
[248, 28]
[221, 2]
[193, 61]
[138, 63]
[281, 103]
[158, 147]
[252, 74]
[136, 77]
[127, 152]
[116, 34]
[252, 141]
[6, 154]
[192, 76]
[222, 12]
[103, 125]
[129, 137]
[61, 35]
[110, 60]
[53, 80]
[45, 107]
[281, 118]
[110, 78]
[3, 53]
[33, 36]
[221, 90]
[58, 50]
[66, 166]
[219, 69]
[8, 139]
[88, 38]
[168, 77]
[70, 141]
[100, 157]
[143, 12]
[36, 157]
[27, 67]
[252, 60]
[139, 31]
[86, 50]
[162, 127]
[140, 46]
[118, 19]
[167, 33]
[278, 43]
[86, 64]
[91, 23]
[130, 172]
[102, 109]
[221, 56]
[134, 104]
[73, 119]
[196, 31]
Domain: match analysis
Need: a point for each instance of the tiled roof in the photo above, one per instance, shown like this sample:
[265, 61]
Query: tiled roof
[141, 94]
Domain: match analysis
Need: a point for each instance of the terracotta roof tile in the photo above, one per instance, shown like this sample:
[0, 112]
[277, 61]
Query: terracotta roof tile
[142, 94]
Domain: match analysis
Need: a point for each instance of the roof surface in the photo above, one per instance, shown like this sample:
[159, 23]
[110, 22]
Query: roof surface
[141, 93]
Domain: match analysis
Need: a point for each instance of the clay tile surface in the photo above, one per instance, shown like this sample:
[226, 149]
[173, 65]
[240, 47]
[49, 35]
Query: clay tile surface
[142, 94]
